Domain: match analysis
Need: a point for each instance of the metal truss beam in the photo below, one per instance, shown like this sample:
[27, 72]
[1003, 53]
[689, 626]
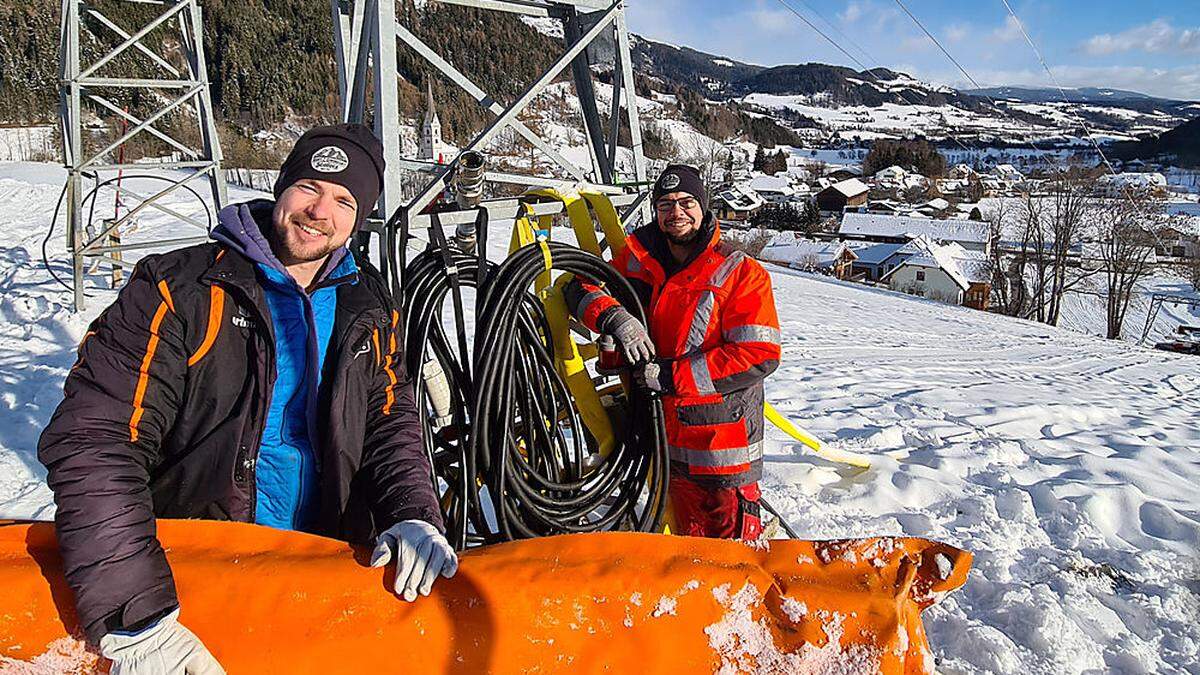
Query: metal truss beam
[80, 84]
[363, 27]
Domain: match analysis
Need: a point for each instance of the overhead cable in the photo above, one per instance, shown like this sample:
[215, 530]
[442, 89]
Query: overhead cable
[860, 64]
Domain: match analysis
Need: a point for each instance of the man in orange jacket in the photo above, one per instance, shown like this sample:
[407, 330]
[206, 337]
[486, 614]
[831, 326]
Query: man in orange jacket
[714, 336]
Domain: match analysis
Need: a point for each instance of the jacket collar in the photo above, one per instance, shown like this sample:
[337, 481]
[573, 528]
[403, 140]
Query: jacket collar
[242, 228]
[654, 242]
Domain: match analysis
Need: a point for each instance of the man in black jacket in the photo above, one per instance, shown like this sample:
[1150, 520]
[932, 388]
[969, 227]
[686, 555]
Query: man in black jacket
[257, 379]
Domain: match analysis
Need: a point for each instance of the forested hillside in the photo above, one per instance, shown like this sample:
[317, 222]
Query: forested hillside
[273, 60]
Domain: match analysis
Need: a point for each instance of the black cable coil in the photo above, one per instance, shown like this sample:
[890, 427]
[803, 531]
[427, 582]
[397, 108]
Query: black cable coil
[515, 459]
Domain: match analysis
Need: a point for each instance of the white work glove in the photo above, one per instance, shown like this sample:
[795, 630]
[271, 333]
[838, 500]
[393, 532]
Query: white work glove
[421, 553]
[630, 335]
[166, 648]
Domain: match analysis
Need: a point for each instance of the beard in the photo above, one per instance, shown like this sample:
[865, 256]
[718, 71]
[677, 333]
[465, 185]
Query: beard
[292, 248]
[681, 239]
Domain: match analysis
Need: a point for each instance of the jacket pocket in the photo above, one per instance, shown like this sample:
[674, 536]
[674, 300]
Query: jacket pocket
[707, 413]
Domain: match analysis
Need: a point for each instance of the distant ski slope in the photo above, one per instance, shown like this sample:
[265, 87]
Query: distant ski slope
[1068, 464]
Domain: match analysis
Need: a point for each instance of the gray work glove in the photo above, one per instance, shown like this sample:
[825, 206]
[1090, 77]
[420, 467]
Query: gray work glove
[655, 376]
[421, 554]
[631, 336]
[166, 648]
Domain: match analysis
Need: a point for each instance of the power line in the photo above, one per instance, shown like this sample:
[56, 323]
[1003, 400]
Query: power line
[963, 70]
[938, 43]
[1138, 208]
[860, 64]
[839, 31]
[1058, 86]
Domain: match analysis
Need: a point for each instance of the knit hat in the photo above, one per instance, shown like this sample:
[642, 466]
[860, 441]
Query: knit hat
[681, 178]
[346, 154]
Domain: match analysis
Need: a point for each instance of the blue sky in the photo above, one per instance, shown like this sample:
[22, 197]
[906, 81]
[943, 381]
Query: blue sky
[1152, 46]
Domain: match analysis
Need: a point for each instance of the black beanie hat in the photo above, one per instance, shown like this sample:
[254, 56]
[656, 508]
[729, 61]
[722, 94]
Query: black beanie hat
[682, 178]
[346, 154]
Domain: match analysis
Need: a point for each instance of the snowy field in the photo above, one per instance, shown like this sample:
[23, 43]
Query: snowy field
[1066, 463]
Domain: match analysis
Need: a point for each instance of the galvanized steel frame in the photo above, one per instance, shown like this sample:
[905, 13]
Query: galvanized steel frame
[78, 83]
[365, 35]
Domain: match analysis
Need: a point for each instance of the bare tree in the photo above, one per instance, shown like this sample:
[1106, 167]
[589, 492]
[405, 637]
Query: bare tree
[1002, 291]
[1031, 265]
[1045, 265]
[1069, 204]
[1127, 233]
[711, 160]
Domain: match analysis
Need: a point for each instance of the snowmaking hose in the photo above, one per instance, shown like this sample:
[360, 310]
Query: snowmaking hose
[515, 459]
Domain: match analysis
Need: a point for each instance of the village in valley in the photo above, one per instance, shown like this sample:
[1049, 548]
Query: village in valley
[954, 233]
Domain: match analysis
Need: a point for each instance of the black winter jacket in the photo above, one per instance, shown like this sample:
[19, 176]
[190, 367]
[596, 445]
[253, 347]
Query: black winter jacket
[163, 416]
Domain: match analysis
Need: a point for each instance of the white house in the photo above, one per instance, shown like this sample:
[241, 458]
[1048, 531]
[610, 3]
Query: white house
[893, 173]
[1008, 173]
[946, 273]
[1123, 183]
[961, 172]
[737, 203]
[774, 189]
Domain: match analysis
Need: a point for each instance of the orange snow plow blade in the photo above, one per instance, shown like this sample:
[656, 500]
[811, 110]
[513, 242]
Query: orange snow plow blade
[270, 601]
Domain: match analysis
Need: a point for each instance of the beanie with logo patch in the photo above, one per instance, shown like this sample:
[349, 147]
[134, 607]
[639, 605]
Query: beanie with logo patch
[346, 154]
[681, 178]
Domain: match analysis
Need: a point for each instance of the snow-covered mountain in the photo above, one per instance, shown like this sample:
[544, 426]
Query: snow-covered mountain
[820, 100]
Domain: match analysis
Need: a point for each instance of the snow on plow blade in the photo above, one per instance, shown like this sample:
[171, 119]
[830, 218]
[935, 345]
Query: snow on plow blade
[270, 601]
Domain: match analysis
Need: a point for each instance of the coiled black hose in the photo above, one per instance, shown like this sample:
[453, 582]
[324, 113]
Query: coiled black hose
[516, 461]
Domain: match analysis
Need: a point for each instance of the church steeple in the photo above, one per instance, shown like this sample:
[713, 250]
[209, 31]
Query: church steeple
[431, 129]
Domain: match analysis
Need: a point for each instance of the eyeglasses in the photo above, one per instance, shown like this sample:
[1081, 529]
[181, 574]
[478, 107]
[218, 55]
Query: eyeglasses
[668, 205]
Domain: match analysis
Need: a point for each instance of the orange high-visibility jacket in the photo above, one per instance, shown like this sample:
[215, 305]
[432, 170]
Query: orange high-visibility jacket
[713, 323]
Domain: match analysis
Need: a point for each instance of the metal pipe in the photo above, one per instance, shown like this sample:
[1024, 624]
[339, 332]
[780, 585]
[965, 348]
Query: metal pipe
[468, 180]
[469, 171]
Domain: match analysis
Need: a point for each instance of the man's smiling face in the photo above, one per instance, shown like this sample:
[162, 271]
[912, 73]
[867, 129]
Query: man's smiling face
[312, 219]
[679, 216]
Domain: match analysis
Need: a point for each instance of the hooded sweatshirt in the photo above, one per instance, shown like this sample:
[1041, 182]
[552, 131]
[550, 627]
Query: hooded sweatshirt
[287, 469]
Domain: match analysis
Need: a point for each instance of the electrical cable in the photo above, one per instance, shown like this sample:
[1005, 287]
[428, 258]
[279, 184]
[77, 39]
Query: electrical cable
[91, 196]
[860, 64]
[515, 459]
[966, 74]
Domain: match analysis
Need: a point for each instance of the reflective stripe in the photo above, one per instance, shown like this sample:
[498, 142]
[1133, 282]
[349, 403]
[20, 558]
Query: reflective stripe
[587, 301]
[700, 376]
[716, 458]
[700, 320]
[389, 397]
[633, 265]
[216, 312]
[752, 333]
[143, 381]
[721, 274]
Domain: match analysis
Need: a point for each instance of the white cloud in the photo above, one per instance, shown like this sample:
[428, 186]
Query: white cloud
[957, 32]
[1011, 30]
[1156, 37]
[772, 21]
[854, 11]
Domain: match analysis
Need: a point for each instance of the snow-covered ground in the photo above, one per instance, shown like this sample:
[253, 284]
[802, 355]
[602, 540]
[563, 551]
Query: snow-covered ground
[1067, 464]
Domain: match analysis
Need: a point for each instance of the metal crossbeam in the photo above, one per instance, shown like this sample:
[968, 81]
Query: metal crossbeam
[80, 84]
[1156, 302]
[364, 30]
[485, 99]
[438, 184]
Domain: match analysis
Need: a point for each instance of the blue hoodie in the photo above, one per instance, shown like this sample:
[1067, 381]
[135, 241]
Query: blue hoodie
[287, 468]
